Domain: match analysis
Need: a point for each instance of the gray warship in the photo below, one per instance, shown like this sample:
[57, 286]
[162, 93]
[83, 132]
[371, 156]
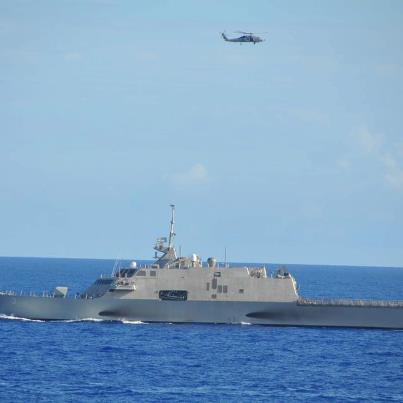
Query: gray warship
[184, 289]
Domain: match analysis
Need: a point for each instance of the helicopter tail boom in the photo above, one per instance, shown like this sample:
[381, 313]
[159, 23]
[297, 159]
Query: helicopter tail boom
[224, 36]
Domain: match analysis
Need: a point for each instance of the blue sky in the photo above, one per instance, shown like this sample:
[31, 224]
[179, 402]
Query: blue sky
[287, 151]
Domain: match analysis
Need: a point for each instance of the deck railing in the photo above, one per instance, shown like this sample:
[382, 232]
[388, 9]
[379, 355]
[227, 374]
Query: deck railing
[44, 294]
[350, 302]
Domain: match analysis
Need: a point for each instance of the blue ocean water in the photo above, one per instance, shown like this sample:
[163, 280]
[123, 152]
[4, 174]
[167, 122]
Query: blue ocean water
[126, 362]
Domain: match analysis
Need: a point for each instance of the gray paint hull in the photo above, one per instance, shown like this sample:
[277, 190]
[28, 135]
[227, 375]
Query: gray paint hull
[265, 313]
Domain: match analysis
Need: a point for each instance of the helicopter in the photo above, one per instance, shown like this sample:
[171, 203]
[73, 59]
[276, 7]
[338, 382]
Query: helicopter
[247, 37]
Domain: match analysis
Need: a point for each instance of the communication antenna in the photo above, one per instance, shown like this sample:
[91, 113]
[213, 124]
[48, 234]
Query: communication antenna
[172, 229]
[116, 267]
[225, 257]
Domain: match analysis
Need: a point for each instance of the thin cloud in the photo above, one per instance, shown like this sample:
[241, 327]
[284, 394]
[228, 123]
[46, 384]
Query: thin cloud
[72, 56]
[309, 115]
[344, 164]
[376, 146]
[369, 141]
[196, 175]
[388, 69]
[394, 172]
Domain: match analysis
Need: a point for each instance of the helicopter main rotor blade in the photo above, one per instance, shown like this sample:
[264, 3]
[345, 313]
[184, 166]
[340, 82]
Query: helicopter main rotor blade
[251, 33]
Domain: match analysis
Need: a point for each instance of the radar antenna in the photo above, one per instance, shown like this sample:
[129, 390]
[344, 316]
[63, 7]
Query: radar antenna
[172, 229]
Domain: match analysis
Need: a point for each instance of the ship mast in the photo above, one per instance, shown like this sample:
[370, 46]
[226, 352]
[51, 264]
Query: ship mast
[168, 251]
[172, 229]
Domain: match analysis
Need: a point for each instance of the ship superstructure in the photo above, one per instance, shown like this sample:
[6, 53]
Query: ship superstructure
[178, 278]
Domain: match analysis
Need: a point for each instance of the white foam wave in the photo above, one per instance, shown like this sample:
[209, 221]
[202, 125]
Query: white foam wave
[133, 322]
[11, 317]
[82, 320]
[246, 323]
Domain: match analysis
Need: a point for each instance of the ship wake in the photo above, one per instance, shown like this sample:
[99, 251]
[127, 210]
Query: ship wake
[124, 321]
[11, 317]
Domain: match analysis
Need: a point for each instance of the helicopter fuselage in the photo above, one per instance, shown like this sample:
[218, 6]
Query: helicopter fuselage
[244, 38]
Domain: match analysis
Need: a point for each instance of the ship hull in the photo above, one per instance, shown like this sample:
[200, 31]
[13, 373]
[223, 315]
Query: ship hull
[264, 313]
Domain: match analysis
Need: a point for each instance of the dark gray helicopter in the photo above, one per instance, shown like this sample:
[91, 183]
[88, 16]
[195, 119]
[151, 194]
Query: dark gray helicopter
[249, 37]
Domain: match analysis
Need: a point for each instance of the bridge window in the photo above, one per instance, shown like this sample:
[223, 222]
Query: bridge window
[126, 273]
[224, 289]
[241, 290]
